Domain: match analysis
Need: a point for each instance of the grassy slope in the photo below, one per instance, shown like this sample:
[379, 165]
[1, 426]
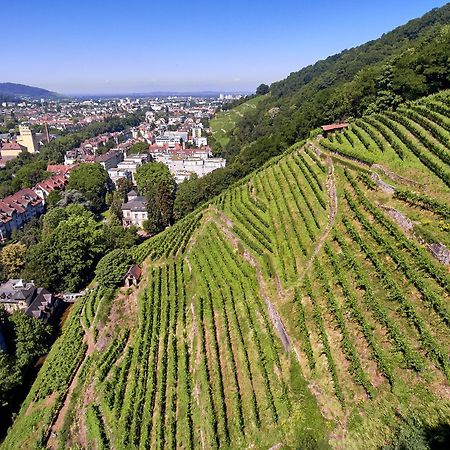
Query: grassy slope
[367, 320]
[224, 122]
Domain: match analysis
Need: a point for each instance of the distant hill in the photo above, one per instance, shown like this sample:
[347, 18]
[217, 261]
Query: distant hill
[15, 90]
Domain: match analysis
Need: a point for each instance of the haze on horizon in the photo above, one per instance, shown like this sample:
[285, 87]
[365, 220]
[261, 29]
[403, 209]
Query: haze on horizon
[92, 47]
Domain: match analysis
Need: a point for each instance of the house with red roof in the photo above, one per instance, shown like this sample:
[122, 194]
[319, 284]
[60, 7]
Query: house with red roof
[10, 150]
[48, 185]
[18, 209]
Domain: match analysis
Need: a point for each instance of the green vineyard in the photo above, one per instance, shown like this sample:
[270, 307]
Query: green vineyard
[305, 307]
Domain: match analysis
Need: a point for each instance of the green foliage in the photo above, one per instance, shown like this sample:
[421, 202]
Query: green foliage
[12, 258]
[148, 176]
[124, 185]
[406, 63]
[112, 268]
[155, 181]
[92, 181]
[262, 89]
[139, 147]
[65, 257]
[26, 338]
[30, 174]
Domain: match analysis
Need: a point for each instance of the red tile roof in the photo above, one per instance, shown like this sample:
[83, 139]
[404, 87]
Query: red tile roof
[18, 203]
[60, 168]
[52, 183]
[334, 126]
[135, 271]
[11, 146]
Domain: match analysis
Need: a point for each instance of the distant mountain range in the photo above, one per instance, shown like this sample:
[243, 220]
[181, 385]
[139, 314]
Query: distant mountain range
[158, 94]
[14, 91]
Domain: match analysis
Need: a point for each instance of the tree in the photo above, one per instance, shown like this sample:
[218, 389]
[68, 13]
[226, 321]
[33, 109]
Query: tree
[72, 196]
[164, 200]
[30, 336]
[112, 268]
[10, 375]
[26, 338]
[13, 259]
[92, 180]
[115, 210]
[116, 236]
[262, 89]
[52, 219]
[64, 259]
[53, 198]
[29, 234]
[155, 181]
[139, 147]
[30, 174]
[149, 175]
[123, 186]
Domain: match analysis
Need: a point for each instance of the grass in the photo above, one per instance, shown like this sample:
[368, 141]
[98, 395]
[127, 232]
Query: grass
[224, 122]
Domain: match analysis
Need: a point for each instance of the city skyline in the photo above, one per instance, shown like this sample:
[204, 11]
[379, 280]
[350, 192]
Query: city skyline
[140, 48]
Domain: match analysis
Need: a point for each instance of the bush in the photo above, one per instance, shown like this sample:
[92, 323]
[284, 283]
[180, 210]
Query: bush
[112, 268]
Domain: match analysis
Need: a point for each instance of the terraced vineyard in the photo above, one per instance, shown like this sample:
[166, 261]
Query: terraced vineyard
[223, 123]
[307, 306]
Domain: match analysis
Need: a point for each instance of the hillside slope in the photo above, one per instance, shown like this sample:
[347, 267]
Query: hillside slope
[405, 64]
[302, 307]
[15, 90]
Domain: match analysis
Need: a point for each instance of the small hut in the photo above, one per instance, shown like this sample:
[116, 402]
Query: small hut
[133, 276]
[332, 128]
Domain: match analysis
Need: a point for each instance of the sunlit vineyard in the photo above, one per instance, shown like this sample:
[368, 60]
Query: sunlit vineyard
[306, 306]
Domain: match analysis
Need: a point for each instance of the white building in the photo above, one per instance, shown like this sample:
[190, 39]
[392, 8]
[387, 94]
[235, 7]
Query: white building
[135, 210]
[131, 164]
[115, 174]
[200, 141]
[182, 167]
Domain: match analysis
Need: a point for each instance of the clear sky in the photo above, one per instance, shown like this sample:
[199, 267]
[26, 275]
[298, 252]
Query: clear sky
[106, 46]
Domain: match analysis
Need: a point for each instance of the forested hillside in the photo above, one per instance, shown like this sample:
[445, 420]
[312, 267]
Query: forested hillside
[16, 91]
[405, 64]
[306, 307]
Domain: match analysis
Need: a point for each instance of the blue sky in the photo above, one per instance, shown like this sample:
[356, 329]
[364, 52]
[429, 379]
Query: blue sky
[94, 46]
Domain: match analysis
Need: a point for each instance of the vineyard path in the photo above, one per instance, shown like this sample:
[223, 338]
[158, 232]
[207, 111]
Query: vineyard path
[61, 413]
[224, 224]
[333, 205]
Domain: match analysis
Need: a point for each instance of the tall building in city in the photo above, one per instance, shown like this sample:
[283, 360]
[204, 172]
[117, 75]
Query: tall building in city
[28, 139]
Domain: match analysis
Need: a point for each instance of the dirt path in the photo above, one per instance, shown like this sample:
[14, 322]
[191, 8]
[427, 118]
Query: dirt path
[395, 177]
[61, 414]
[333, 206]
[224, 224]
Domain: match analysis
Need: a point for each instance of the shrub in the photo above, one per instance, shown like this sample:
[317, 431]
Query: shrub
[112, 268]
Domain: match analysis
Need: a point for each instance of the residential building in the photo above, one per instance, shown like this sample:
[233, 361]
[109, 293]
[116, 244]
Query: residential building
[116, 174]
[9, 150]
[20, 295]
[200, 141]
[132, 163]
[44, 188]
[110, 159]
[135, 210]
[18, 209]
